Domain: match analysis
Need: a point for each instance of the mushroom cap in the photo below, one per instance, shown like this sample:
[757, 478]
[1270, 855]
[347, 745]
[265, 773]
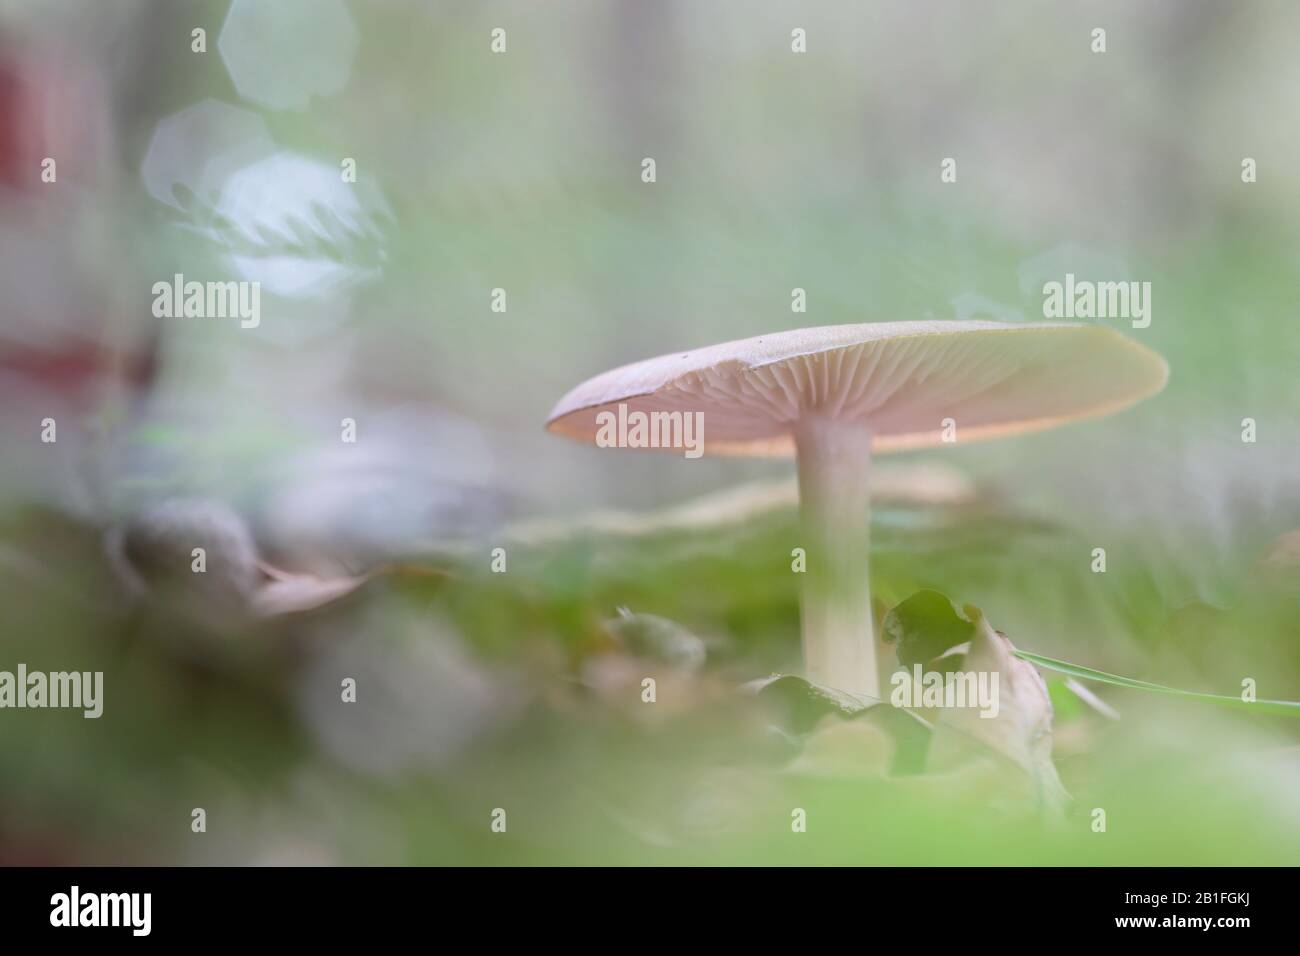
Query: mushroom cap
[900, 379]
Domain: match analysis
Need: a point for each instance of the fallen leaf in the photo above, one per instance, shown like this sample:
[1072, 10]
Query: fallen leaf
[1021, 731]
[284, 592]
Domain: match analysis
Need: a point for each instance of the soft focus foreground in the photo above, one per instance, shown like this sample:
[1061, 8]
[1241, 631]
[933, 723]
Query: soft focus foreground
[514, 682]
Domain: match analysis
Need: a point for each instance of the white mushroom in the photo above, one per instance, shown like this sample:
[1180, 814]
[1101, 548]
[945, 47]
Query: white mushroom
[832, 395]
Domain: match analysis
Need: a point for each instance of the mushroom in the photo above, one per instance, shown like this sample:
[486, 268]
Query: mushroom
[832, 395]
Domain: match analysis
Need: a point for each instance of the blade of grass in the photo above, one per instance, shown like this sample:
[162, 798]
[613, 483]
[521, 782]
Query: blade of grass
[1288, 708]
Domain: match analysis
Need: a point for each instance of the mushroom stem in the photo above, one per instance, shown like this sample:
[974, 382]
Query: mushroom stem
[834, 462]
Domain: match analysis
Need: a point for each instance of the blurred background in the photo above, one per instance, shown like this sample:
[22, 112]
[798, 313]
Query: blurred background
[223, 156]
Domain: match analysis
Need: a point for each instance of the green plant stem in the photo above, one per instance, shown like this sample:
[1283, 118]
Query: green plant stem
[1288, 708]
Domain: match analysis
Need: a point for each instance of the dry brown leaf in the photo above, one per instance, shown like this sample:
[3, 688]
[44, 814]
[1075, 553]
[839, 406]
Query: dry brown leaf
[1021, 732]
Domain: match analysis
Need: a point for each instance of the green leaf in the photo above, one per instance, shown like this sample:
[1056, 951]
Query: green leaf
[1288, 708]
[924, 626]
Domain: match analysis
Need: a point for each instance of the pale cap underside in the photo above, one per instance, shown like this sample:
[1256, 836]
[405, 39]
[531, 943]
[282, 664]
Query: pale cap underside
[900, 379]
